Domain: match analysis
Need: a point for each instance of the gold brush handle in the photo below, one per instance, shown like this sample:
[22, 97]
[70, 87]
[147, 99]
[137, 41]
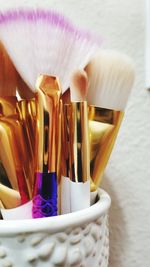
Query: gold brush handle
[9, 198]
[13, 137]
[26, 109]
[105, 151]
[7, 157]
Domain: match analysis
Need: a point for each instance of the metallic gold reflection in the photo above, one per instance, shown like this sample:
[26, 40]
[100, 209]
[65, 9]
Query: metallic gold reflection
[8, 105]
[48, 108]
[13, 137]
[77, 133]
[104, 125]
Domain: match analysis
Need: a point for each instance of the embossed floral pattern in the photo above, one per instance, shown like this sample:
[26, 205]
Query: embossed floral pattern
[84, 246]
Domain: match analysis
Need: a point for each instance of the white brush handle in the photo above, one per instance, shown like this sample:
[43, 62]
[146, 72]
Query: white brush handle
[75, 196]
[20, 213]
[147, 59]
[80, 195]
[93, 196]
[65, 195]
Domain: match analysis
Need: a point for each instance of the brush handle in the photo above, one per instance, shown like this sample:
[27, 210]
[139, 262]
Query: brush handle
[45, 195]
[79, 195]
[65, 195]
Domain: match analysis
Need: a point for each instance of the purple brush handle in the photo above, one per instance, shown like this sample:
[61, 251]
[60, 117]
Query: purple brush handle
[45, 195]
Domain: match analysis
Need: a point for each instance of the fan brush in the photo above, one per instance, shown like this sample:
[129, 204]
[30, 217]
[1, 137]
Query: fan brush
[44, 42]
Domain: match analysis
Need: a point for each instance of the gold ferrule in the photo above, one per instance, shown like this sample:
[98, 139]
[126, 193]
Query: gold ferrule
[65, 153]
[104, 125]
[15, 141]
[27, 114]
[58, 142]
[8, 175]
[28, 126]
[78, 141]
[32, 115]
[48, 100]
[32, 108]
[9, 192]
[8, 106]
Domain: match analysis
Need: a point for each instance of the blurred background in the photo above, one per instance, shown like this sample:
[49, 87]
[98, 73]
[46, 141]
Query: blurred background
[127, 178]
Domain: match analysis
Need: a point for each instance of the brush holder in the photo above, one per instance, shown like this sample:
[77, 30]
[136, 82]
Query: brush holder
[79, 239]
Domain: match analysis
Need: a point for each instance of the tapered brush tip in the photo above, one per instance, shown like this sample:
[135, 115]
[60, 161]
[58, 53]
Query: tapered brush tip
[79, 86]
[111, 77]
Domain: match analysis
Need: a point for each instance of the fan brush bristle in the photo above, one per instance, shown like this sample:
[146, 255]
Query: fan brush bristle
[44, 42]
[111, 76]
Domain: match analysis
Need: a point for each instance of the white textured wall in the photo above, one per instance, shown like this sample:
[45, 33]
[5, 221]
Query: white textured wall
[127, 177]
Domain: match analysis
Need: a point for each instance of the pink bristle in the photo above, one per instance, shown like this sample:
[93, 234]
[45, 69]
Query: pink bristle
[44, 42]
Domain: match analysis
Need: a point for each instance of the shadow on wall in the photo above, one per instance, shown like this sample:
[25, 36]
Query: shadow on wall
[117, 226]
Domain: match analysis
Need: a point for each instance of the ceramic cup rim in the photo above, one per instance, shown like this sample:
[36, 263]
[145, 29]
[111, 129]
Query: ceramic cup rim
[58, 223]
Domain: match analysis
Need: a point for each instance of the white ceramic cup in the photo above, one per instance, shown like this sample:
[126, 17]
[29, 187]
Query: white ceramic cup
[79, 239]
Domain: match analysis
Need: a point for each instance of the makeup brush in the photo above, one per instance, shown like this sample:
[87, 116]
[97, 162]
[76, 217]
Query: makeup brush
[76, 125]
[47, 135]
[79, 90]
[111, 77]
[52, 45]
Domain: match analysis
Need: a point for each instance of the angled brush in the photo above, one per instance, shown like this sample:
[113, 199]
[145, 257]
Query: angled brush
[111, 76]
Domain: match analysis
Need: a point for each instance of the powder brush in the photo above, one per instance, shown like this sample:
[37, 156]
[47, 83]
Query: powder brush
[52, 45]
[111, 76]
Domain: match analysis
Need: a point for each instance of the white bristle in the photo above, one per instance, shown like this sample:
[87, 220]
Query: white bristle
[111, 76]
[42, 42]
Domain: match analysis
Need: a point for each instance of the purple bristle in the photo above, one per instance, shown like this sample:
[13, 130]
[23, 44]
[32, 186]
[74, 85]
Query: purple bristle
[52, 17]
